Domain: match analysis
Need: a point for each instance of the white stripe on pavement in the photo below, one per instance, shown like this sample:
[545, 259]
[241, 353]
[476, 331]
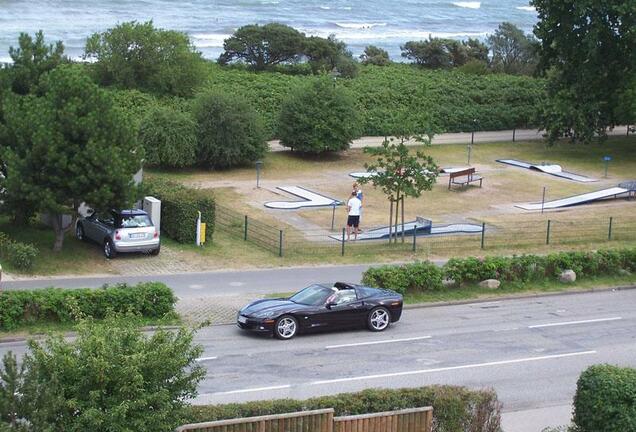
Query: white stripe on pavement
[575, 322]
[202, 359]
[444, 369]
[377, 342]
[258, 389]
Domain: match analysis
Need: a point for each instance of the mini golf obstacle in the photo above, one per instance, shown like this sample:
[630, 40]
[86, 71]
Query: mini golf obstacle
[421, 227]
[628, 188]
[309, 199]
[365, 174]
[552, 169]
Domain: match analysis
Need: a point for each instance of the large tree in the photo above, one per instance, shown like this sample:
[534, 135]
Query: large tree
[169, 138]
[263, 46]
[440, 53]
[138, 55]
[375, 56]
[330, 55]
[513, 52]
[68, 146]
[318, 117]
[587, 50]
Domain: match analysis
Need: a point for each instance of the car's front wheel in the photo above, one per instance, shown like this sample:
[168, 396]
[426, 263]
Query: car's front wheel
[286, 327]
[379, 319]
[79, 232]
[109, 249]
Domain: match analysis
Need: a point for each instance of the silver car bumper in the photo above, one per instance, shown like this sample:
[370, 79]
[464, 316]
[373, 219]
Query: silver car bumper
[138, 246]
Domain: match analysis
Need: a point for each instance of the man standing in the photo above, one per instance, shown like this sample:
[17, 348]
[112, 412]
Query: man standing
[353, 220]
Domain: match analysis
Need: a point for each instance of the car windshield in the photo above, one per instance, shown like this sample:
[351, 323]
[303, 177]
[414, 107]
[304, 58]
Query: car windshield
[313, 295]
[135, 221]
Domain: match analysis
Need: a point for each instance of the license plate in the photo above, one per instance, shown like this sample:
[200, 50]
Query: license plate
[242, 319]
[137, 235]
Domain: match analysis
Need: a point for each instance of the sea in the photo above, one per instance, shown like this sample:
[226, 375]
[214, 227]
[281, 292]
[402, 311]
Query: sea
[384, 23]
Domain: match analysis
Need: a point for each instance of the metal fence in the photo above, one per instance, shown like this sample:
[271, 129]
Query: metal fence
[555, 232]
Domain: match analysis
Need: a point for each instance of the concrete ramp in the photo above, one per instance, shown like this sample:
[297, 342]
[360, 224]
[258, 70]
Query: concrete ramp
[309, 199]
[420, 228]
[552, 169]
[576, 199]
[365, 174]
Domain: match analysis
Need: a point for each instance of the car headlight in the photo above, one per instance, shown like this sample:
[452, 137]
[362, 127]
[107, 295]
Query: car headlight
[269, 314]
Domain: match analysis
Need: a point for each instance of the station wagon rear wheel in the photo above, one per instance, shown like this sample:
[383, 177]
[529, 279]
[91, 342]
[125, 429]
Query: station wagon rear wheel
[379, 319]
[109, 249]
[285, 327]
[79, 232]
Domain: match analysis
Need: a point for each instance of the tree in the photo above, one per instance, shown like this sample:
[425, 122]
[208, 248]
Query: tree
[438, 53]
[513, 52]
[169, 138]
[587, 51]
[330, 54]
[375, 56]
[318, 117]
[31, 60]
[400, 173]
[69, 146]
[229, 131]
[11, 382]
[112, 377]
[263, 46]
[138, 55]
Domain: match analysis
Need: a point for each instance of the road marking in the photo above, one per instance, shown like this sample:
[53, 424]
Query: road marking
[377, 342]
[258, 389]
[202, 359]
[444, 369]
[575, 322]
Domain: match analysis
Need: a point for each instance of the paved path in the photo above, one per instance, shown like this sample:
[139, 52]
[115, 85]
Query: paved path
[461, 138]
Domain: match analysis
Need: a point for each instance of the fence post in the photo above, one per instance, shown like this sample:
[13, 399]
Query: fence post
[245, 229]
[609, 232]
[414, 238]
[483, 234]
[547, 236]
[343, 241]
[514, 132]
[280, 243]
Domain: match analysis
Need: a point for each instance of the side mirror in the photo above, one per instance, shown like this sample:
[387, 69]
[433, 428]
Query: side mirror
[329, 305]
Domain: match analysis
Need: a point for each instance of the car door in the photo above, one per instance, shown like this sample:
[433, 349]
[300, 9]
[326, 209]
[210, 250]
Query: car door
[346, 310]
[103, 226]
[89, 226]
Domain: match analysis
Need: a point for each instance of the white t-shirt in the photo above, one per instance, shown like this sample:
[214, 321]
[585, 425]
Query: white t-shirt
[354, 206]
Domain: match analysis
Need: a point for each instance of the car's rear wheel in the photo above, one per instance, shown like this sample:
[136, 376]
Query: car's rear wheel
[379, 319]
[109, 249]
[79, 232]
[286, 327]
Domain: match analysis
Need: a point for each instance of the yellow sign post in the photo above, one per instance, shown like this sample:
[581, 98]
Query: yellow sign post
[202, 238]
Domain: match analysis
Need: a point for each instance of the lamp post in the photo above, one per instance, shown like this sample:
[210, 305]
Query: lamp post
[259, 165]
[472, 139]
[543, 200]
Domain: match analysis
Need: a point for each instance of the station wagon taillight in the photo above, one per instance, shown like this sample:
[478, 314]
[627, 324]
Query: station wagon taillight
[117, 235]
[156, 234]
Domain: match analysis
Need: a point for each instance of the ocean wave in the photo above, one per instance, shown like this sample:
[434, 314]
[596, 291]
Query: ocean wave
[469, 5]
[209, 40]
[325, 7]
[359, 26]
[527, 8]
[399, 35]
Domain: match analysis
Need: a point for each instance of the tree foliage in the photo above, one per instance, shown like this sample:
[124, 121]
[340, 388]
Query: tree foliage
[587, 48]
[318, 117]
[67, 147]
[169, 138]
[513, 52]
[263, 46]
[229, 131]
[31, 60]
[330, 55]
[375, 56]
[138, 55]
[112, 377]
[439, 53]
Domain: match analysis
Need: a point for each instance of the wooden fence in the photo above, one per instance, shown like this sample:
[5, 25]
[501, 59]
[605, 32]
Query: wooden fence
[408, 420]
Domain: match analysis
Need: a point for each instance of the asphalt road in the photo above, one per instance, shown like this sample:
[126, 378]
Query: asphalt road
[531, 351]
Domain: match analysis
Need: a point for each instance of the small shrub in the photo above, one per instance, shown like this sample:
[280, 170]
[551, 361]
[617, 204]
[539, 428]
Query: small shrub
[605, 399]
[414, 277]
[169, 138]
[21, 255]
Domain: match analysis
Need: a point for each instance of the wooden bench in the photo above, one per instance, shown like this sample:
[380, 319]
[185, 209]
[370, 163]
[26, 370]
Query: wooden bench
[466, 177]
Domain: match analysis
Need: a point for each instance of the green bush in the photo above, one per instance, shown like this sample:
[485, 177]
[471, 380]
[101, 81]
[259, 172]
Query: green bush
[179, 207]
[169, 138]
[415, 277]
[455, 409]
[605, 399]
[149, 300]
[21, 255]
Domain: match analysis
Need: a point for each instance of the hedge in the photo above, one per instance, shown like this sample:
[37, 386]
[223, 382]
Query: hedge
[455, 409]
[21, 255]
[149, 300]
[425, 276]
[179, 207]
[605, 399]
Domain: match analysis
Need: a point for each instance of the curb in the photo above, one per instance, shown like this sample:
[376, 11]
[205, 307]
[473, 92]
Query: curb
[71, 334]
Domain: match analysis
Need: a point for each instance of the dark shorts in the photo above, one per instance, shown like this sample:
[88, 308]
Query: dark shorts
[353, 221]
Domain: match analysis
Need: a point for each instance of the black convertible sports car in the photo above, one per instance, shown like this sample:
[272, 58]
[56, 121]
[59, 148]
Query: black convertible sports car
[323, 306]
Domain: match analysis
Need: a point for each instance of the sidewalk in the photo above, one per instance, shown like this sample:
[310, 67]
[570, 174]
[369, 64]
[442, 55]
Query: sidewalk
[461, 138]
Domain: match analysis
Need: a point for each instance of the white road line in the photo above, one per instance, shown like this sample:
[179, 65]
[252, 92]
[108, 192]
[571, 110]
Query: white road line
[202, 359]
[258, 389]
[575, 322]
[444, 369]
[377, 342]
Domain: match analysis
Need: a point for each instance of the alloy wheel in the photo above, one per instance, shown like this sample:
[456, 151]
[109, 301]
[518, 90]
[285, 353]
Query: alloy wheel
[379, 319]
[79, 232]
[286, 327]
